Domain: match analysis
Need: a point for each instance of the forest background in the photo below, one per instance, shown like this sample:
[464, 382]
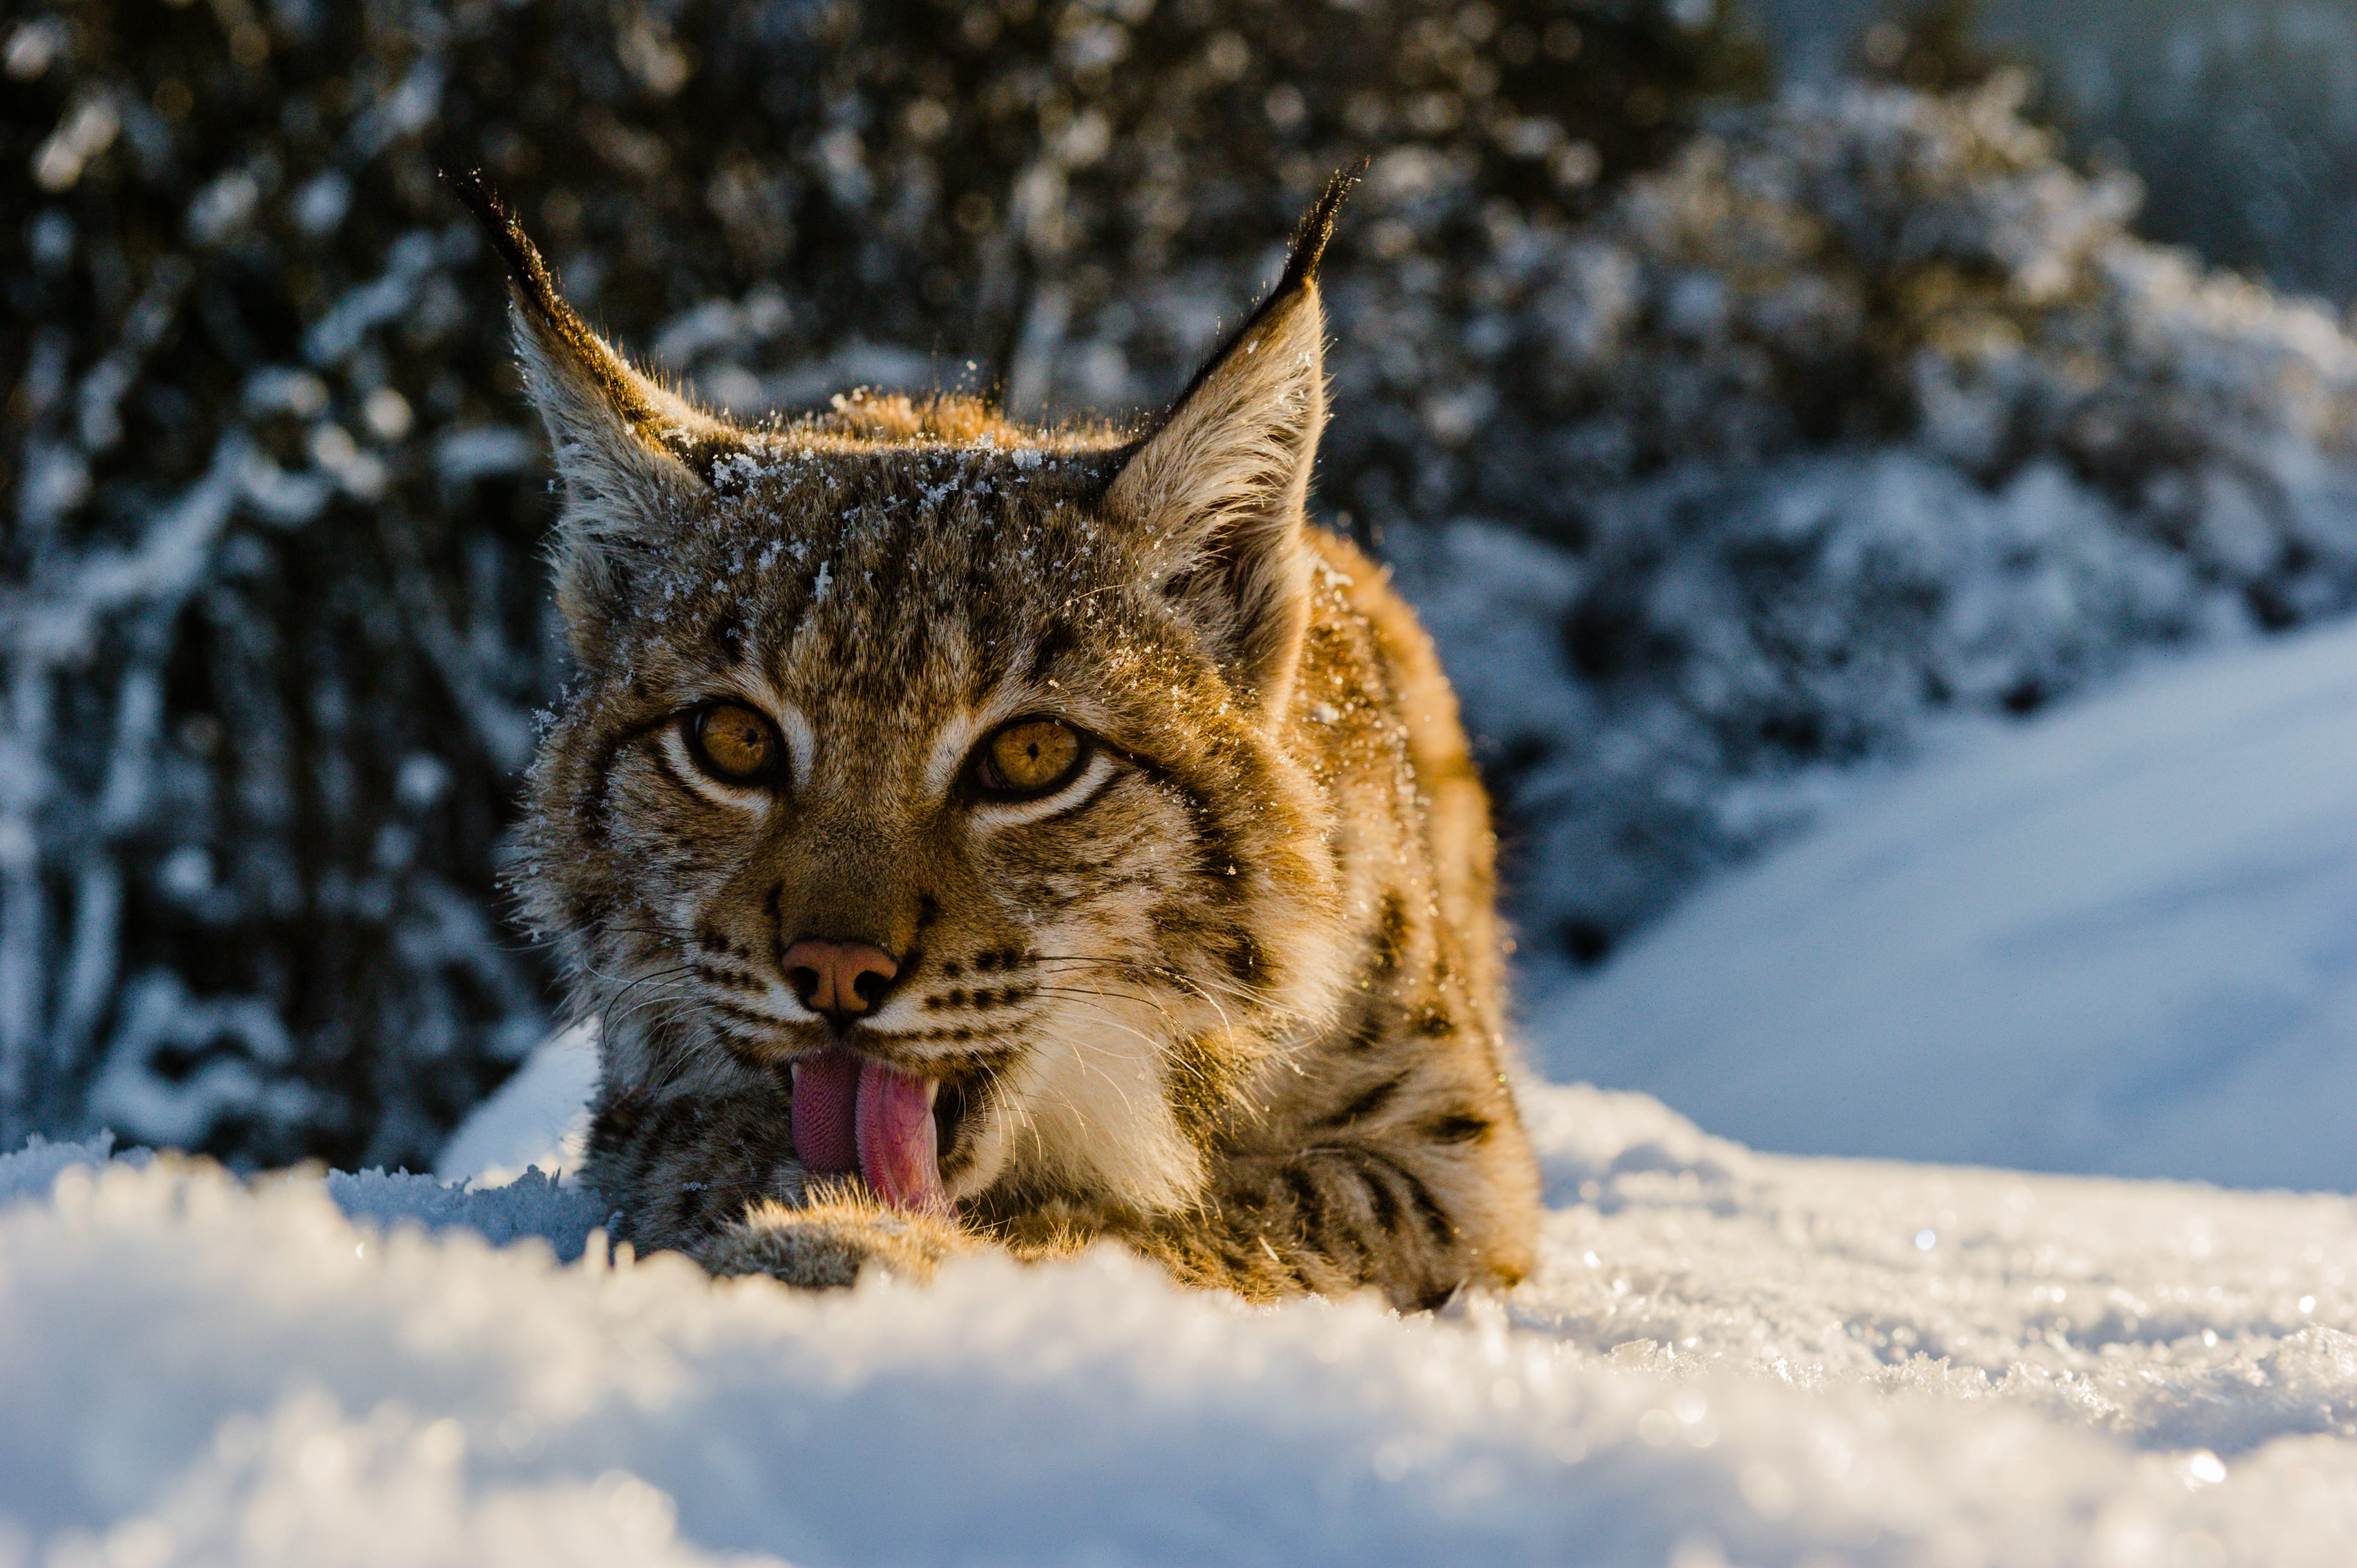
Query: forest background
[1739, 393]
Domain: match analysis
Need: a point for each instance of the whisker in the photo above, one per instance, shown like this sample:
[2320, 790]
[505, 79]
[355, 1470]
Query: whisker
[627, 987]
[606, 1019]
[1209, 991]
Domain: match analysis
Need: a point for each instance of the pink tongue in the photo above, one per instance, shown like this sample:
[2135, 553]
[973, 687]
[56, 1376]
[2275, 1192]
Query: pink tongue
[898, 1154]
[854, 1115]
[824, 1086]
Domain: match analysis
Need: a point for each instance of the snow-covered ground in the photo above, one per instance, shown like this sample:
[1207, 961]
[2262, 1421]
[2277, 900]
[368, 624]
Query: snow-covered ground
[1725, 1357]
[2122, 939]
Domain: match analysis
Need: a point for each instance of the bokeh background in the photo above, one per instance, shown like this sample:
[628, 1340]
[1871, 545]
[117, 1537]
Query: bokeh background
[1743, 393]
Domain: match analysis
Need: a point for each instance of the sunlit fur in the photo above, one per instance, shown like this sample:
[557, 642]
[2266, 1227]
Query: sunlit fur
[1229, 996]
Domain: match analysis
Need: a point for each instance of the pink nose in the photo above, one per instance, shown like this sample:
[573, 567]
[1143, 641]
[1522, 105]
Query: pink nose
[839, 979]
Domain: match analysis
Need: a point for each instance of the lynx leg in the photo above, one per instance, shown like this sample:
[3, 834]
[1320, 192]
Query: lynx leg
[829, 1241]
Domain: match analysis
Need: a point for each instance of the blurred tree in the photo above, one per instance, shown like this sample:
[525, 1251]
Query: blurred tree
[272, 620]
[1834, 412]
[2237, 118]
[1932, 46]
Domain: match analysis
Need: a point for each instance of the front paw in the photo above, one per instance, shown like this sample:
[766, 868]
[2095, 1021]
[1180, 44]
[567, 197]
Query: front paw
[826, 1244]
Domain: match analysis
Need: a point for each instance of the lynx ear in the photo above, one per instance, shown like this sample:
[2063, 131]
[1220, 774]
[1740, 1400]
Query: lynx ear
[1216, 489]
[630, 454]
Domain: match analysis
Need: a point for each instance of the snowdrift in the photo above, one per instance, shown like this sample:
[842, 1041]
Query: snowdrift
[1725, 1357]
[2121, 940]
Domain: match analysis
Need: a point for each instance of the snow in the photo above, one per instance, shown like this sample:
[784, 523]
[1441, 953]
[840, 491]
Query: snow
[1724, 1358]
[2122, 938]
[539, 1118]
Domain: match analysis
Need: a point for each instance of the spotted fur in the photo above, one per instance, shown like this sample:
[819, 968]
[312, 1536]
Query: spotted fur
[1232, 998]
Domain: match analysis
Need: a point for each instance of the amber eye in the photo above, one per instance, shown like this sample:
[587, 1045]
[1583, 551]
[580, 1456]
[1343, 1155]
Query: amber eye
[1029, 756]
[733, 741]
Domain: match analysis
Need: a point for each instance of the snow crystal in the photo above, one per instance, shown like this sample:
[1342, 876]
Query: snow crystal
[737, 469]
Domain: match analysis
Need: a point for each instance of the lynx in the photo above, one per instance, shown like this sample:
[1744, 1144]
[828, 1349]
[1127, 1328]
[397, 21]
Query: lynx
[970, 836]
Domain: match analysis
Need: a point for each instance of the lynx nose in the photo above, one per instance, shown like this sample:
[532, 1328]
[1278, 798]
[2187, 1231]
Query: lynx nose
[839, 979]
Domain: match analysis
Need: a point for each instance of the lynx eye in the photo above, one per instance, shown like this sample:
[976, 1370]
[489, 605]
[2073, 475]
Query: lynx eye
[1029, 756]
[734, 743]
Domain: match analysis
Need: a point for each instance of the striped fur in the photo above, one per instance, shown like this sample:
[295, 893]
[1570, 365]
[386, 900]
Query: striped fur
[1232, 998]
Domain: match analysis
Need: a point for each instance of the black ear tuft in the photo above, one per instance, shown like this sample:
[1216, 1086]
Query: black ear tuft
[535, 288]
[634, 456]
[1215, 490]
[1316, 228]
[552, 330]
[1309, 237]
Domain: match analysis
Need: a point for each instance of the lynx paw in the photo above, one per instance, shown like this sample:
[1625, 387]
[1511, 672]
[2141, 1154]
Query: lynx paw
[826, 1244]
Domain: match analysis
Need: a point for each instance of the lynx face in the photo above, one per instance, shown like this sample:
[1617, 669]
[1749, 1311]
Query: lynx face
[940, 765]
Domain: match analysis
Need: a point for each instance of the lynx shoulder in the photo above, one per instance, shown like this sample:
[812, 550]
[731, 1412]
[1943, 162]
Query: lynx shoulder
[968, 835]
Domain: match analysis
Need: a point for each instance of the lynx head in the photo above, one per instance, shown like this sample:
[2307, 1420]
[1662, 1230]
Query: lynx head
[939, 762]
